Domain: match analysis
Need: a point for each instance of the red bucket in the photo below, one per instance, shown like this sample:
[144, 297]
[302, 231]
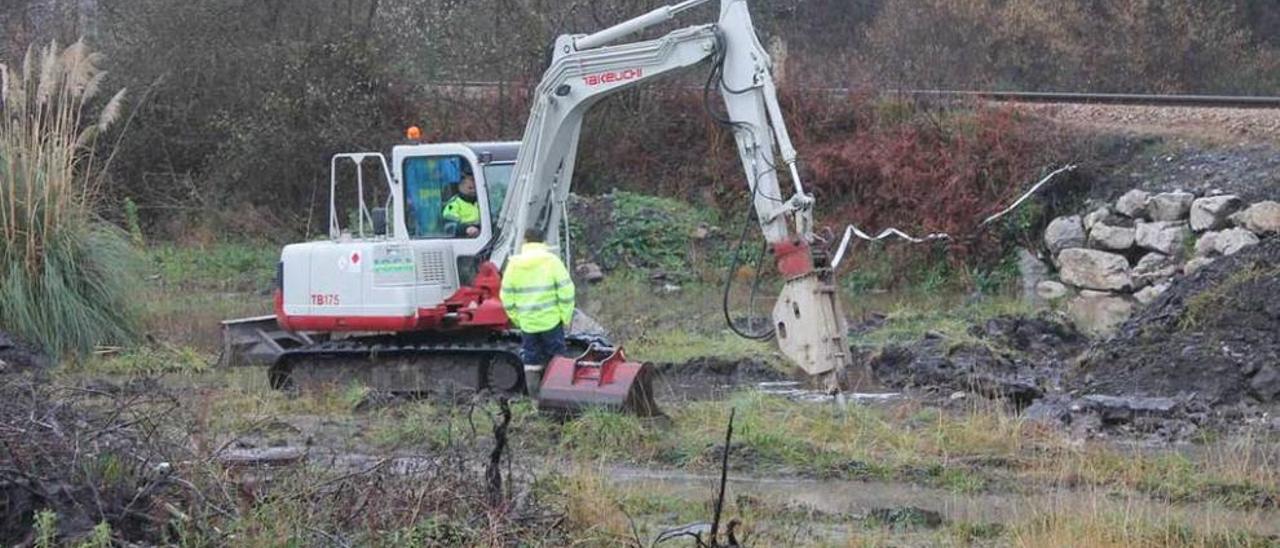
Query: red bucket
[600, 378]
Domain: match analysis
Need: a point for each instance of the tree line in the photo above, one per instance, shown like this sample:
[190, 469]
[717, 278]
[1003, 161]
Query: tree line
[235, 105]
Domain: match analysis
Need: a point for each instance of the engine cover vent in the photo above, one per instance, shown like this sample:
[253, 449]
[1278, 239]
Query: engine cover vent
[433, 268]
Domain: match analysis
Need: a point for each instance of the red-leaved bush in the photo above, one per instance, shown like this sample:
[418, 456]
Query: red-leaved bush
[872, 161]
[921, 169]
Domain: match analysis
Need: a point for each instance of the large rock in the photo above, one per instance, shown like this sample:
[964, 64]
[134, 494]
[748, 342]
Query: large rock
[1149, 294]
[1050, 290]
[1099, 315]
[1133, 204]
[1170, 206]
[1261, 218]
[1230, 242]
[1212, 213]
[1031, 272]
[1196, 264]
[1207, 245]
[589, 272]
[1111, 238]
[1224, 242]
[1093, 269]
[1096, 216]
[1105, 215]
[1165, 237]
[1064, 232]
[1266, 383]
[1152, 268]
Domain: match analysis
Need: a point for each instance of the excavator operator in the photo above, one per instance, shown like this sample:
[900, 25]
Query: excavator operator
[461, 212]
[538, 295]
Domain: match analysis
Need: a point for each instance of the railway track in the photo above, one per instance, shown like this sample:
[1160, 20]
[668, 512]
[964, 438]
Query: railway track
[1128, 99]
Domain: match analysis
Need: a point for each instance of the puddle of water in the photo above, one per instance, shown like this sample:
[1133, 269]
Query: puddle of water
[673, 390]
[795, 390]
[857, 499]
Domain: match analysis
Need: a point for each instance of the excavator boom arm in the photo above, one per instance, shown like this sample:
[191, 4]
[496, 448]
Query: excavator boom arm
[585, 69]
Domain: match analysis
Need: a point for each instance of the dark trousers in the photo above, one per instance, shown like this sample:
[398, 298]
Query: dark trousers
[539, 348]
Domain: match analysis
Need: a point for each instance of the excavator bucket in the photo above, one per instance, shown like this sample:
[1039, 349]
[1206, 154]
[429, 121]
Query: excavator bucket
[601, 378]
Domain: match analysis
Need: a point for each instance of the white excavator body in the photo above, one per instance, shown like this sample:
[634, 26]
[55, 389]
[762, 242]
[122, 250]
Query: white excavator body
[397, 278]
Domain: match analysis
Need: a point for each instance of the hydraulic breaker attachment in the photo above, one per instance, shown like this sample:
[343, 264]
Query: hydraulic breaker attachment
[810, 325]
[600, 378]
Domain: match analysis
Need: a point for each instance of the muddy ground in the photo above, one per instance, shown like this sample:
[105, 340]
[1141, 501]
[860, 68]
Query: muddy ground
[1013, 358]
[984, 438]
[1205, 355]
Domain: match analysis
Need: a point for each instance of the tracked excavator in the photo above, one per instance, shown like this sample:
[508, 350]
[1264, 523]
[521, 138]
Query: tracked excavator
[402, 299]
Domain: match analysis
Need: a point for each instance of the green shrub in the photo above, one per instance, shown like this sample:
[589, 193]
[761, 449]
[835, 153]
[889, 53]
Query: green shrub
[46, 525]
[65, 274]
[624, 230]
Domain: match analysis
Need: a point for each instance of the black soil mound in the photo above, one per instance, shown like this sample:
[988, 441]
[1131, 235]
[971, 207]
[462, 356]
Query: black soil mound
[1016, 357]
[1213, 336]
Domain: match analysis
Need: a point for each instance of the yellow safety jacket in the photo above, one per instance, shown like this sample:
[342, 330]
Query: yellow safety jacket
[459, 210]
[536, 290]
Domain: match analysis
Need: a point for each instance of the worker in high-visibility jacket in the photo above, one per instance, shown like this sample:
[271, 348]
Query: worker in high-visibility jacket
[462, 211]
[538, 295]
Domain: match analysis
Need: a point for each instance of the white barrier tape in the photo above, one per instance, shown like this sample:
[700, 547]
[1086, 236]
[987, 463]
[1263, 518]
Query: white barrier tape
[852, 230]
[1034, 188]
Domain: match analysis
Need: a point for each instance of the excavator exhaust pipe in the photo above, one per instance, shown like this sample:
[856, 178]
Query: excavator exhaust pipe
[600, 378]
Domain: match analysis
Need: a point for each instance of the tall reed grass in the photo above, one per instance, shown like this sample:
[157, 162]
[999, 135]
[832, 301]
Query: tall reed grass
[66, 275]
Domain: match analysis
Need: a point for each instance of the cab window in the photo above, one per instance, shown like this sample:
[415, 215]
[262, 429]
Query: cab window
[497, 177]
[441, 197]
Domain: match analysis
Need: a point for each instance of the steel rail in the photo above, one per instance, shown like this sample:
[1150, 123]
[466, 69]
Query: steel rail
[1131, 99]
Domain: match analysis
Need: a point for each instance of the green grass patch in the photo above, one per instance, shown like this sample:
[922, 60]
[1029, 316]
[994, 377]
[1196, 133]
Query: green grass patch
[856, 442]
[438, 425]
[147, 360]
[232, 266]
[680, 346]
[1115, 528]
[192, 289]
[606, 435]
[911, 318]
[413, 424]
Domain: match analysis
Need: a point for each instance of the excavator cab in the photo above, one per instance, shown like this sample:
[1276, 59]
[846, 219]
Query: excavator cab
[393, 258]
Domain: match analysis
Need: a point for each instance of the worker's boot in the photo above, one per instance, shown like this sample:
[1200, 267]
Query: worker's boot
[533, 379]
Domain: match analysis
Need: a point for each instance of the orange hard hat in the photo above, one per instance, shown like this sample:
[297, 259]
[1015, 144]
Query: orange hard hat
[413, 133]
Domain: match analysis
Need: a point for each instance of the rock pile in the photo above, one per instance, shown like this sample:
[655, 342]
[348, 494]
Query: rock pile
[1124, 254]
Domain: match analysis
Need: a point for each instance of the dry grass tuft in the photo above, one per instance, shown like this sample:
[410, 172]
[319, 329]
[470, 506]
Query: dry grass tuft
[64, 273]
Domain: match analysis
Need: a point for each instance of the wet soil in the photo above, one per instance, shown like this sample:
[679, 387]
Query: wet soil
[1015, 358]
[711, 378]
[1204, 356]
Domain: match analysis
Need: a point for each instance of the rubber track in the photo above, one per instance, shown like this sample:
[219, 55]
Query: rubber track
[387, 345]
